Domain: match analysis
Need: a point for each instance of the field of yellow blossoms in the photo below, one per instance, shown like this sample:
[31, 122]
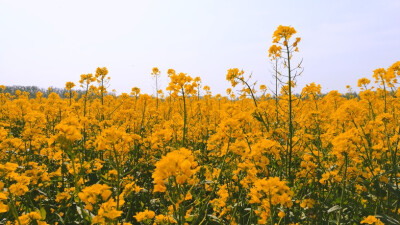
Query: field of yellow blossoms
[185, 156]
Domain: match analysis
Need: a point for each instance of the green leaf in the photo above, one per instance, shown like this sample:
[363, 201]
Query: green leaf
[189, 219]
[388, 220]
[79, 210]
[60, 218]
[334, 208]
[213, 217]
[43, 213]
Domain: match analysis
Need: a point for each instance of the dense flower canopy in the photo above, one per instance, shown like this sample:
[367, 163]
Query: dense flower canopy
[191, 157]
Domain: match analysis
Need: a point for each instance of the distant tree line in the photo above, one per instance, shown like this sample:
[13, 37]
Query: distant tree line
[33, 90]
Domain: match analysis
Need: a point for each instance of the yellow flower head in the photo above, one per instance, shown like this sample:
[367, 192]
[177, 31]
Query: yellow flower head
[275, 51]
[179, 164]
[283, 32]
[155, 72]
[147, 214]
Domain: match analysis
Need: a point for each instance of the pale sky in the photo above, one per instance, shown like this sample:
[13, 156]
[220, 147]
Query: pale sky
[47, 43]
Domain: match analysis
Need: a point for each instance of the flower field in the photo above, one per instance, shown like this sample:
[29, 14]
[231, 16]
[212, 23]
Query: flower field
[186, 156]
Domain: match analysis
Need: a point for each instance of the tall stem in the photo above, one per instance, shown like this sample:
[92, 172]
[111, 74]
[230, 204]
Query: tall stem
[343, 188]
[276, 91]
[156, 92]
[102, 99]
[184, 118]
[290, 141]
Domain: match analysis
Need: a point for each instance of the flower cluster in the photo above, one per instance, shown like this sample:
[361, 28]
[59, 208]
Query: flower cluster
[191, 157]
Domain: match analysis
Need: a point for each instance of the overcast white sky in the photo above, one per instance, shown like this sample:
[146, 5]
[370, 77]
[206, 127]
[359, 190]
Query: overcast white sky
[47, 43]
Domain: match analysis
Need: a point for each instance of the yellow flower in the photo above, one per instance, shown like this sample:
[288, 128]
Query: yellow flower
[372, 220]
[108, 211]
[363, 82]
[284, 32]
[101, 73]
[27, 219]
[18, 189]
[165, 219]
[188, 196]
[179, 164]
[3, 207]
[93, 194]
[155, 72]
[307, 203]
[269, 192]
[9, 166]
[233, 75]
[69, 85]
[147, 214]
[275, 51]
[69, 129]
